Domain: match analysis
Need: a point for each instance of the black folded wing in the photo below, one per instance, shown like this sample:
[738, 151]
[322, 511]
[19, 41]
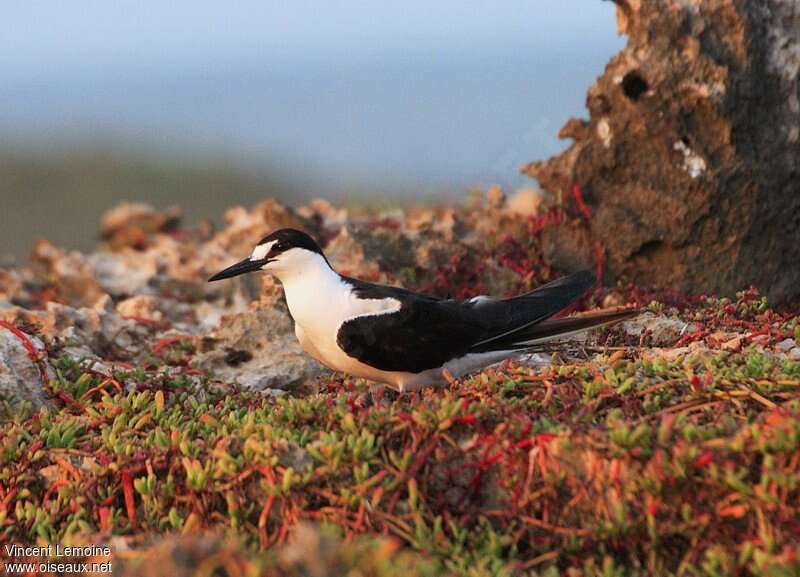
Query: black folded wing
[427, 332]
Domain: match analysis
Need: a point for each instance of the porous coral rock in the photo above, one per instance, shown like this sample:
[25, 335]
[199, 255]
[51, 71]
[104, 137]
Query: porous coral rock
[386, 248]
[688, 162]
[247, 226]
[131, 224]
[258, 350]
[346, 254]
[20, 375]
[495, 198]
[322, 211]
[142, 307]
[271, 294]
[70, 271]
[123, 273]
[525, 202]
[662, 331]
[10, 284]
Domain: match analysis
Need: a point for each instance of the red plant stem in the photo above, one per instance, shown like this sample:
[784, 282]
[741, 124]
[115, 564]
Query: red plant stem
[130, 503]
[53, 488]
[104, 516]
[167, 341]
[108, 380]
[359, 522]
[263, 518]
[703, 460]
[578, 196]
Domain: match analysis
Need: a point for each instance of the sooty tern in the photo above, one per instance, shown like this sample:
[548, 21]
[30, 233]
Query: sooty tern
[404, 339]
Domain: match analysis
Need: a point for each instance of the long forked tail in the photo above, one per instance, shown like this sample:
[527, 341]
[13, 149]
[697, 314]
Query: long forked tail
[553, 329]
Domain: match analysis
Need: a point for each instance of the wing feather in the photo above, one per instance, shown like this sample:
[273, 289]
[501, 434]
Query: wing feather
[519, 313]
[427, 332]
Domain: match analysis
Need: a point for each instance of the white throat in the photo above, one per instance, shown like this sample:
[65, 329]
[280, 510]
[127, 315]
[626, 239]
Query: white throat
[299, 266]
[318, 298]
[310, 284]
[320, 301]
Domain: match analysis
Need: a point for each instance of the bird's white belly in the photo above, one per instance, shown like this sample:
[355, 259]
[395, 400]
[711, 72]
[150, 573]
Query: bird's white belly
[320, 309]
[326, 350]
[322, 348]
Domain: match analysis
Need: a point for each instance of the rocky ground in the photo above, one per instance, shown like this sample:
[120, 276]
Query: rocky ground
[179, 420]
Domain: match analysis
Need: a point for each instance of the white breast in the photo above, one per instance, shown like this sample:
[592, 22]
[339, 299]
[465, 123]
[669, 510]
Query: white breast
[320, 302]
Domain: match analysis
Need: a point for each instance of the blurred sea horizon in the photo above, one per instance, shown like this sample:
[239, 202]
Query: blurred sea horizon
[349, 102]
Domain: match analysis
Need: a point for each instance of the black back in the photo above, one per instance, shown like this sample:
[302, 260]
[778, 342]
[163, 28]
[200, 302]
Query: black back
[428, 332]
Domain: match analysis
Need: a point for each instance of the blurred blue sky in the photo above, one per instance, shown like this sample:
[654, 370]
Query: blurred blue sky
[347, 95]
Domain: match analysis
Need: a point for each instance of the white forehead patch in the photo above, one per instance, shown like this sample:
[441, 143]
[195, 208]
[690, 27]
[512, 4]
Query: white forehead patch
[261, 250]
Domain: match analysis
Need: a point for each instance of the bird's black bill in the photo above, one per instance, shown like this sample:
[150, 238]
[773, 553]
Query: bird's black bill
[241, 267]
